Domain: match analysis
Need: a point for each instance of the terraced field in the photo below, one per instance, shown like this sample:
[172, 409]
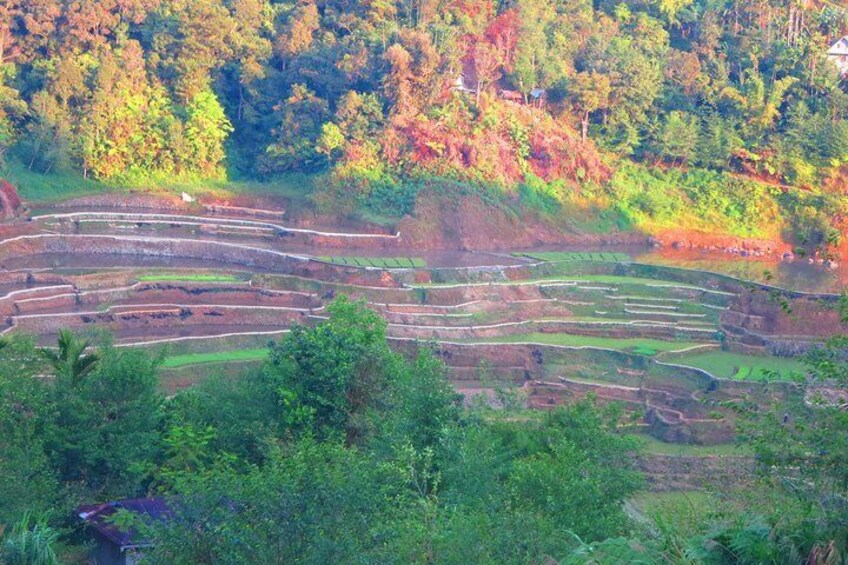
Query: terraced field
[215, 284]
[378, 262]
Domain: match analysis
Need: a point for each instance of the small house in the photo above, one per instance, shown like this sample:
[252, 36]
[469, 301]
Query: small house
[838, 53]
[537, 97]
[460, 84]
[116, 543]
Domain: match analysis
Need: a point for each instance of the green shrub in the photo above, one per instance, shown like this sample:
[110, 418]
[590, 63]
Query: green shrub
[31, 542]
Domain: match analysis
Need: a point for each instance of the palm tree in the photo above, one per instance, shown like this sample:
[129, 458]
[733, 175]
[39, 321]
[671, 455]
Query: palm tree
[71, 360]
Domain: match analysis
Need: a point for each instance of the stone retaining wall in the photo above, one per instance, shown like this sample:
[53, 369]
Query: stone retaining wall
[159, 317]
[678, 472]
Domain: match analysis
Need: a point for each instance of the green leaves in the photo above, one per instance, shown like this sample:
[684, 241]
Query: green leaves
[31, 542]
[70, 361]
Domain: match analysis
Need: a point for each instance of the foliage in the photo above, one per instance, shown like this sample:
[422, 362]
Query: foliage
[106, 426]
[71, 363]
[329, 377]
[651, 197]
[31, 542]
[543, 102]
[340, 449]
[27, 409]
[800, 446]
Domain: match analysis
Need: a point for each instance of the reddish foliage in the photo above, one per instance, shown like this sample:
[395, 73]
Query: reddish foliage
[555, 155]
[474, 9]
[503, 34]
[460, 148]
[10, 202]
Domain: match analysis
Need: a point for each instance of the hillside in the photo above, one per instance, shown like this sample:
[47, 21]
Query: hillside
[637, 116]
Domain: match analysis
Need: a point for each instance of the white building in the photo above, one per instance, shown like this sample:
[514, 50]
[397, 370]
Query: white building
[839, 55]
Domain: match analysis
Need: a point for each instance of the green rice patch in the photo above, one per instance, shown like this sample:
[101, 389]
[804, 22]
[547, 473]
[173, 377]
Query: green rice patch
[189, 277]
[377, 262]
[638, 346]
[214, 357]
[575, 256]
[727, 365]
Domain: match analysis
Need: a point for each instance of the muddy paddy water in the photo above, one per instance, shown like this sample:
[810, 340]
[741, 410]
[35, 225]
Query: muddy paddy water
[798, 275]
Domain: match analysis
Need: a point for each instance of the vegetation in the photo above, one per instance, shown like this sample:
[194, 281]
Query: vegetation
[576, 256]
[726, 365]
[640, 346]
[338, 448]
[379, 262]
[653, 445]
[647, 115]
[188, 277]
[174, 361]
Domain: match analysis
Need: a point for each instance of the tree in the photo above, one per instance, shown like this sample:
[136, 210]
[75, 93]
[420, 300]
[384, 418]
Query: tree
[331, 140]
[301, 116]
[70, 361]
[313, 502]
[671, 8]
[12, 107]
[206, 129]
[359, 116]
[107, 430]
[399, 79]
[589, 92]
[582, 465]
[190, 38]
[27, 414]
[532, 49]
[487, 65]
[678, 137]
[759, 104]
[330, 376]
[801, 445]
[297, 33]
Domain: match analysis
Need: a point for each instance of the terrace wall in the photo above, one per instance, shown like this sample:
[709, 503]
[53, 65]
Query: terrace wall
[678, 472]
[252, 257]
[127, 317]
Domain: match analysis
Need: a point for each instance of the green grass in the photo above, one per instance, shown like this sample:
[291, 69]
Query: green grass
[673, 502]
[580, 279]
[640, 346]
[576, 256]
[656, 447]
[726, 365]
[214, 357]
[42, 188]
[379, 262]
[189, 277]
[37, 187]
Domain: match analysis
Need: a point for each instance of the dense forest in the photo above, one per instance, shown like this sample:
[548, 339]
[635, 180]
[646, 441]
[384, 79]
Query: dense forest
[655, 110]
[340, 450]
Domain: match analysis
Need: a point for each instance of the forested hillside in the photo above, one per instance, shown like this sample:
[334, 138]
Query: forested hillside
[549, 101]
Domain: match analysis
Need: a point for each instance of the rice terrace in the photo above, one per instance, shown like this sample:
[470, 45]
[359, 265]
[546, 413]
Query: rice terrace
[211, 285]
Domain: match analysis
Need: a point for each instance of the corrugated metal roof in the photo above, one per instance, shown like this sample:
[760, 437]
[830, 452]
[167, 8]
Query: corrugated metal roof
[97, 516]
[839, 48]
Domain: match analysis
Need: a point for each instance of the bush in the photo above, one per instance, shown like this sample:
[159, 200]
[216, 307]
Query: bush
[390, 198]
[31, 542]
[536, 194]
